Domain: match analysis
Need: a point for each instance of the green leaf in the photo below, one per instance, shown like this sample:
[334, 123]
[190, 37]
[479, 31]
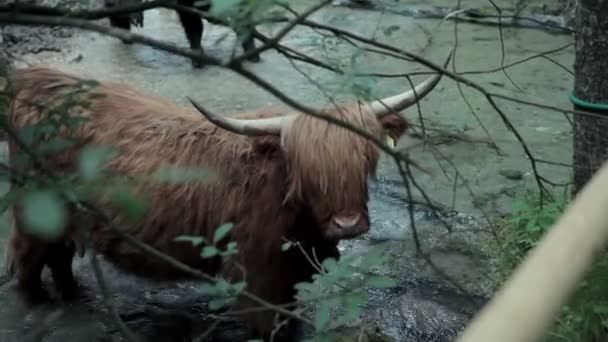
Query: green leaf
[326, 336]
[287, 245]
[91, 160]
[228, 253]
[195, 240]
[230, 249]
[133, 206]
[307, 290]
[216, 304]
[55, 146]
[231, 246]
[600, 309]
[222, 231]
[239, 287]
[209, 251]
[44, 214]
[329, 264]
[223, 285]
[380, 281]
[222, 8]
[5, 225]
[374, 256]
[27, 134]
[322, 316]
[352, 303]
[209, 289]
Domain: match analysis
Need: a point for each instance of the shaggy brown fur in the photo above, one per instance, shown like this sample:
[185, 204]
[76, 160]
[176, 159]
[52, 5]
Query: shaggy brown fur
[270, 187]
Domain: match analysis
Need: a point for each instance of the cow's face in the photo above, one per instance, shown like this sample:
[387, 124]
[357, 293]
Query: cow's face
[329, 168]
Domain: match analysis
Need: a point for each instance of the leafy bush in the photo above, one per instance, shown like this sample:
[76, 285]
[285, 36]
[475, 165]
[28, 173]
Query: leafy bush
[585, 316]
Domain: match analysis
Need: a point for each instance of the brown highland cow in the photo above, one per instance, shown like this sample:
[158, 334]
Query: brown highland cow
[281, 176]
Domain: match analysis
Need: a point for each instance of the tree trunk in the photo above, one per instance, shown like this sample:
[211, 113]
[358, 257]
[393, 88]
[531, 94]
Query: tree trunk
[590, 85]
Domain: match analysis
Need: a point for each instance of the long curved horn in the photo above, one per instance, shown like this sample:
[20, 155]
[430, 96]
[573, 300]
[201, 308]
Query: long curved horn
[399, 102]
[266, 126]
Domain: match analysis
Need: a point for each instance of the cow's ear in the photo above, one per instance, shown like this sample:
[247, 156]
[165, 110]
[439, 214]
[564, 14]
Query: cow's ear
[267, 145]
[394, 125]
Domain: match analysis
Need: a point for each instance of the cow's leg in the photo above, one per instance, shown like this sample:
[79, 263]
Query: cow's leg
[59, 260]
[193, 28]
[276, 285]
[249, 45]
[122, 21]
[28, 258]
[293, 331]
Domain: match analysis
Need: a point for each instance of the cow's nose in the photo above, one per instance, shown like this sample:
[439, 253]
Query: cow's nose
[346, 221]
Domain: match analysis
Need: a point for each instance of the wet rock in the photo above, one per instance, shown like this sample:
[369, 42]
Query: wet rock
[436, 319]
[364, 333]
[354, 3]
[77, 59]
[18, 40]
[414, 311]
[511, 174]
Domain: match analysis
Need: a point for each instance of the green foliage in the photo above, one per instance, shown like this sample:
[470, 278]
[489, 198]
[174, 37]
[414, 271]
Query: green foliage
[44, 214]
[211, 248]
[224, 7]
[287, 245]
[243, 15]
[133, 205]
[340, 290]
[222, 292]
[585, 316]
[92, 159]
[195, 240]
[222, 231]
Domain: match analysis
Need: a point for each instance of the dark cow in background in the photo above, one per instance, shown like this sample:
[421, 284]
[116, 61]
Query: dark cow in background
[191, 23]
[281, 176]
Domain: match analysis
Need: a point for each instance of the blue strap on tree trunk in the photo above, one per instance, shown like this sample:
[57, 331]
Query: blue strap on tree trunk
[588, 105]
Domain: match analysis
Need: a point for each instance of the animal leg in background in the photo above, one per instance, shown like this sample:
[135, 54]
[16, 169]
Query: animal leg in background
[59, 260]
[28, 259]
[249, 45]
[124, 21]
[193, 28]
[276, 286]
[29, 256]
